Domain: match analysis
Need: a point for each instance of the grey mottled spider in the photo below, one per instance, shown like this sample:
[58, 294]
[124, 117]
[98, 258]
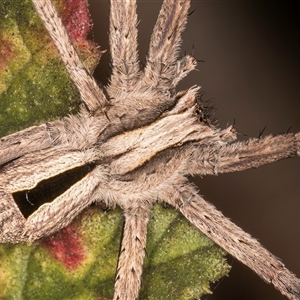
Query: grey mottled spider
[141, 151]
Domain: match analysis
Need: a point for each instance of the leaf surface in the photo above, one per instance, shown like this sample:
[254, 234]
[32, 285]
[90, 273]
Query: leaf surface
[34, 84]
[79, 262]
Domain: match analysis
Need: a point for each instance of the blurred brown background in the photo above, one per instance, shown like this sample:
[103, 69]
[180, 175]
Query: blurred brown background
[251, 72]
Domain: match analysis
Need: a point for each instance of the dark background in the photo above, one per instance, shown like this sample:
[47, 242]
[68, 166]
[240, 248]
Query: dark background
[251, 72]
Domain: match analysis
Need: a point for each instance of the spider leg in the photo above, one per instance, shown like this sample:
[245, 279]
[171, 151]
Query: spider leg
[162, 67]
[11, 220]
[182, 68]
[26, 172]
[123, 45]
[132, 252]
[72, 132]
[234, 240]
[240, 156]
[90, 93]
[50, 217]
[25, 141]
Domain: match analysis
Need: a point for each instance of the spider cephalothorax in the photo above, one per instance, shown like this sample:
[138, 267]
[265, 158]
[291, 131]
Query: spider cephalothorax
[143, 139]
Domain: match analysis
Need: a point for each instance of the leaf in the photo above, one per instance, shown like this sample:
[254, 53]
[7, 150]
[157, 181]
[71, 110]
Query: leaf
[79, 262]
[34, 84]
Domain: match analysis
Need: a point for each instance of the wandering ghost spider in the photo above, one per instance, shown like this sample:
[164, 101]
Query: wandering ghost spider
[141, 151]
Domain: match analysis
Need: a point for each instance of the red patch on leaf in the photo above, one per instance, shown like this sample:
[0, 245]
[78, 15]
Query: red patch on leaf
[6, 52]
[77, 19]
[66, 246]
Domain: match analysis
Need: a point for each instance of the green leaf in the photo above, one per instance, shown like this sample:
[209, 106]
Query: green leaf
[79, 262]
[34, 84]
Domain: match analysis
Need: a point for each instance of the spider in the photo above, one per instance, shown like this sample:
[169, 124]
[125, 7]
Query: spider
[140, 153]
